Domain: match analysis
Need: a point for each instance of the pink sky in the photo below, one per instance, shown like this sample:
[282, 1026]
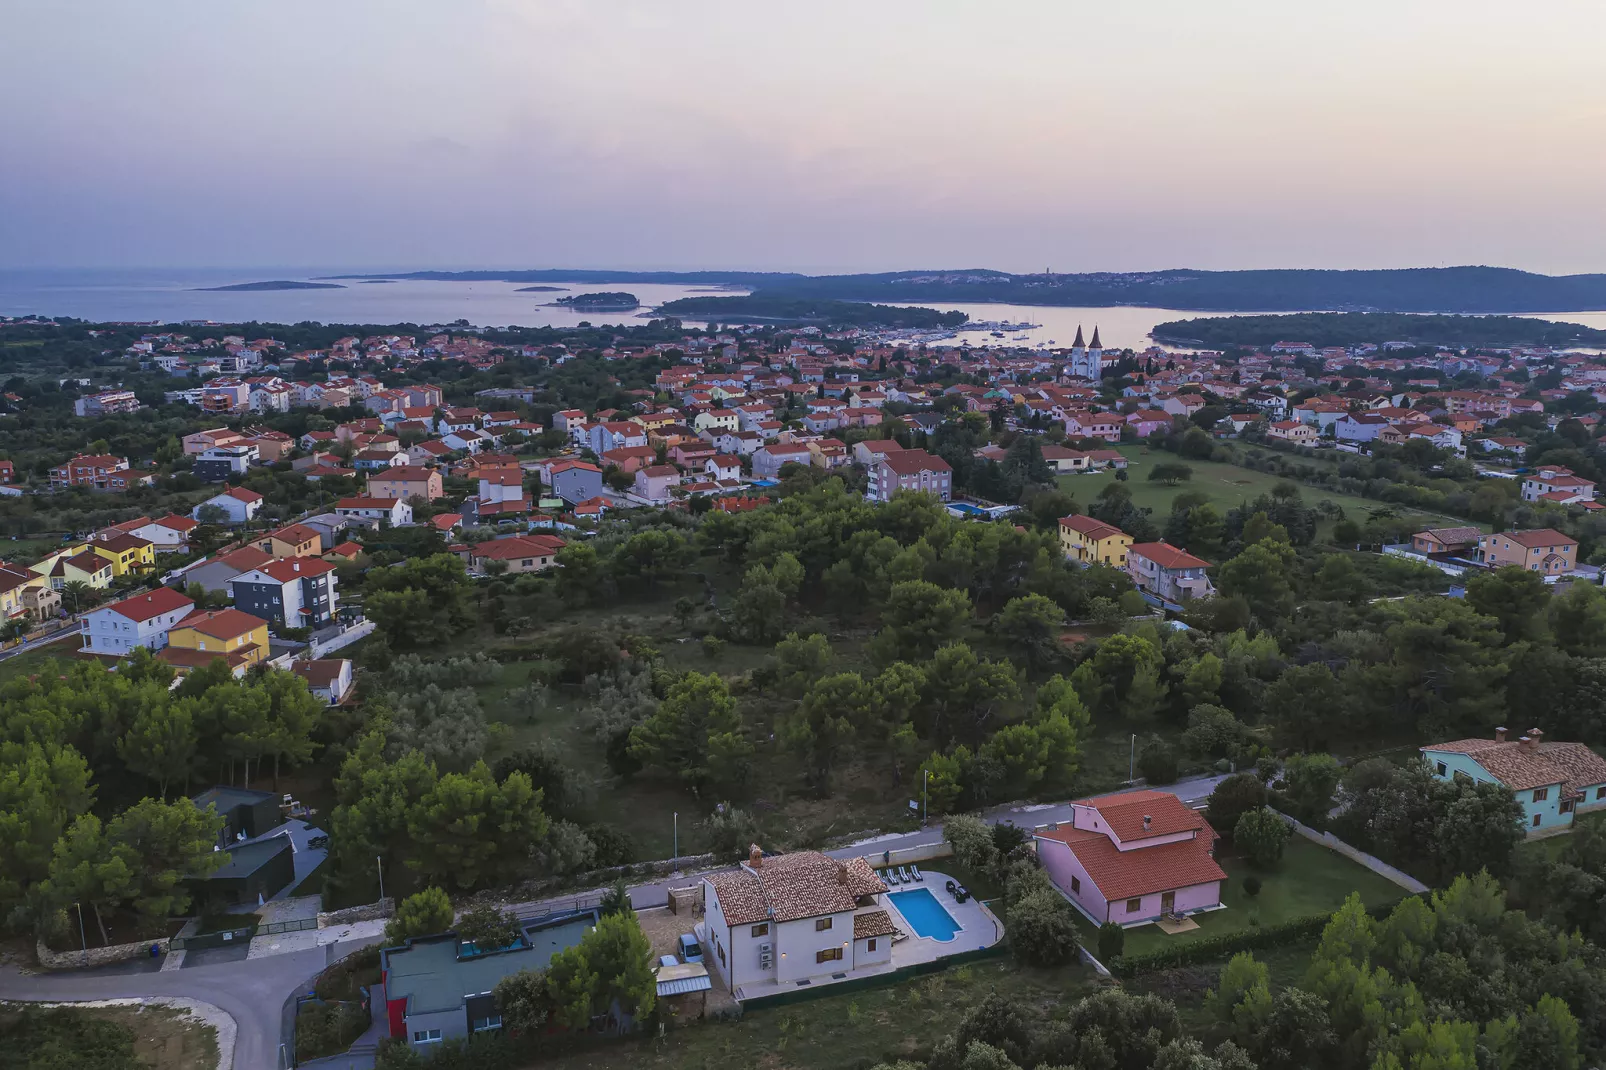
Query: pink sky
[828, 135]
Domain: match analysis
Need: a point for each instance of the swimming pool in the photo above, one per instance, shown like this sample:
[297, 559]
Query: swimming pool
[925, 915]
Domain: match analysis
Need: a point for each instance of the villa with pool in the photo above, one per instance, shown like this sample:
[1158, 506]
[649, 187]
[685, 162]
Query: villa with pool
[795, 920]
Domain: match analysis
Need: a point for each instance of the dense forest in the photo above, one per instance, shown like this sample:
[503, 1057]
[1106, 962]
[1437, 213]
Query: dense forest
[1353, 328]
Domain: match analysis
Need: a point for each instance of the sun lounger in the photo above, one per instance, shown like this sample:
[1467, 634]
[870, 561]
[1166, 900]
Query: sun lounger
[890, 876]
[916, 871]
[903, 876]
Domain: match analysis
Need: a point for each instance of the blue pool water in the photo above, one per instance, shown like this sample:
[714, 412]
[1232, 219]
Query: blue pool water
[925, 915]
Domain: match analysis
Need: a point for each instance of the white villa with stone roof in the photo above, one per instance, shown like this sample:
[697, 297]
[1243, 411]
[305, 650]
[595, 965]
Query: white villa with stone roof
[794, 918]
[1553, 781]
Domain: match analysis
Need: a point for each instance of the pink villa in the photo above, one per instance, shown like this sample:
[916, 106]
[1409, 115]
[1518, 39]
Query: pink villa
[1133, 857]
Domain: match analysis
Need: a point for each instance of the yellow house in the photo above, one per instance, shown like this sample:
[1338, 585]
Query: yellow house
[718, 419]
[127, 553]
[1087, 541]
[293, 540]
[231, 634]
[1293, 431]
[75, 563]
[13, 582]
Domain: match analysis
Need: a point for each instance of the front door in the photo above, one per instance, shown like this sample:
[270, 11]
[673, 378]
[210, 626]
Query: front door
[1168, 902]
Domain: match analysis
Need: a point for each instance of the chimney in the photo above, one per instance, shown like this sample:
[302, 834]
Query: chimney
[1500, 734]
[1536, 736]
[1147, 822]
[755, 856]
[842, 872]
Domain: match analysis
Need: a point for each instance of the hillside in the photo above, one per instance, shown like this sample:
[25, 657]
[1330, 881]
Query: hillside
[1351, 328]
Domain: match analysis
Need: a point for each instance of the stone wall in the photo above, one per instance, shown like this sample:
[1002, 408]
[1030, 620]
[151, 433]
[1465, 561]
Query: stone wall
[96, 956]
[367, 912]
[1354, 854]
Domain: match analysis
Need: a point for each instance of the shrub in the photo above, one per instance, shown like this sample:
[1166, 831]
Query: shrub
[713, 646]
[1261, 835]
[423, 913]
[1158, 763]
[1232, 798]
[1112, 941]
[1251, 886]
[1042, 931]
[972, 841]
[1007, 836]
[487, 928]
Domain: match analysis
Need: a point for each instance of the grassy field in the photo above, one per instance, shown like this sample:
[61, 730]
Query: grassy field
[1228, 486]
[1309, 880]
[130, 1038]
[895, 1021]
[34, 660]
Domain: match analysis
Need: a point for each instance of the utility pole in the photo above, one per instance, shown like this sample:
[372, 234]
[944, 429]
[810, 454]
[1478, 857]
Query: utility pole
[379, 864]
[81, 937]
[1132, 760]
[677, 833]
[924, 780]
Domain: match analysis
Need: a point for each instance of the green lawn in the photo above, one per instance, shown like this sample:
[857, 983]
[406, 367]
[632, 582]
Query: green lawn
[901, 1020]
[1309, 880]
[1228, 486]
[34, 660]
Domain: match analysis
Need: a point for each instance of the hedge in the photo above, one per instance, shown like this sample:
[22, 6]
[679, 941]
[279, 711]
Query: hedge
[1215, 948]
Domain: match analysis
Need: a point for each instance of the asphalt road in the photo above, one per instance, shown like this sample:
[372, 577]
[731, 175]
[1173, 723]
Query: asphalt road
[252, 992]
[255, 991]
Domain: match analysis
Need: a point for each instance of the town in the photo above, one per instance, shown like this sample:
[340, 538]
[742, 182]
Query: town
[597, 696]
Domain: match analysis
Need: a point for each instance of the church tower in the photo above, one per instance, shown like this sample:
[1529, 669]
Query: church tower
[1085, 362]
[1095, 355]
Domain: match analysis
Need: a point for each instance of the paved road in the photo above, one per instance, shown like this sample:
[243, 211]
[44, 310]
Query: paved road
[253, 993]
[35, 644]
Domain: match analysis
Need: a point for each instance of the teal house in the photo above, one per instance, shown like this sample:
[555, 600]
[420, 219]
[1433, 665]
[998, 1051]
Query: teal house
[1553, 781]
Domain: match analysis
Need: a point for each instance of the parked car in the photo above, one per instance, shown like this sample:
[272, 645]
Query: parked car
[690, 949]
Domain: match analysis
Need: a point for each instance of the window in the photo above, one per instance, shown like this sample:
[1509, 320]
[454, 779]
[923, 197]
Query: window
[1567, 805]
[1076, 884]
[479, 1025]
[822, 924]
[721, 954]
[1541, 794]
[1440, 768]
[830, 954]
[1134, 905]
[761, 929]
[1536, 820]
[1600, 793]
[426, 1036]
[871, 945]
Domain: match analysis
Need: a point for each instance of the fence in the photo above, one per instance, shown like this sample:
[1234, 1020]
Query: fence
[903, 856]
[221, 938]
[1376, 865]
[856, 984]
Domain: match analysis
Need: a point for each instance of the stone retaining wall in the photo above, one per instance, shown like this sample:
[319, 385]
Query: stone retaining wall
[95, 956]
[367, 912]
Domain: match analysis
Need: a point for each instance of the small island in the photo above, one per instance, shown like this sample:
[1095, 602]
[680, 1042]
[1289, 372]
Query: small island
[376, 282]
[540, 289]
[600, 302]
[276, 284]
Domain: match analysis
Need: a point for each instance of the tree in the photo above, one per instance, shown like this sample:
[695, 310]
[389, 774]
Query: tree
[1042, 930]
[648, 556]
[424, 913]
[759, 611]
[972, 842]
[919, 617]
[1513, 596]
[579, 573]
[612, 964]
[294, 712]
[1030, 625]
[1305, 702]
[42, 791]
[1309, 782]
[1232, 798]
[1157, 763]
[488, 928]
[617, 899]
[1112, 941]
[521, 999]
[473, 830]
[1170, 473]
[799, 659]
[835, 710]
[1262, 575]
[1213, 732]
[963, 691]
[696, 734]
[1261, 835]
[160, 743]
[419, 601]
[1122, 678]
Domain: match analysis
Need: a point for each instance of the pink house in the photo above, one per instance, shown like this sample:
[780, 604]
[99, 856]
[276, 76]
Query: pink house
[1132, 857]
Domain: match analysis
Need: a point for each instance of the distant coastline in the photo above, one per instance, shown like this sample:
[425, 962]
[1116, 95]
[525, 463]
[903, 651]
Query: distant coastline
[533, 289]
[276, 284]
[376, 282]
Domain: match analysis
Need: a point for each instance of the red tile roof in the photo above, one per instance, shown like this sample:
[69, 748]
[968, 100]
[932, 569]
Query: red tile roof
[1141, 871]
[143, 607]
[1090, 528]
[1124, 813]
[1166, 556]
[803, 884]
[221, 623]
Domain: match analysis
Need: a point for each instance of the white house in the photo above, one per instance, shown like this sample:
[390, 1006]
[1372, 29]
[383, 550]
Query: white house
[791, 917]
[328, 678]
[237, 503]
[169, 533]
[142, 620]
[392, 511]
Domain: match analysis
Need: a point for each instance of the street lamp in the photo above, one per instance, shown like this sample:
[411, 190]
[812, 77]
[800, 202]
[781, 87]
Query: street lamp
[677, 834]
[81, 937]
[1132, 760]
[379, 864]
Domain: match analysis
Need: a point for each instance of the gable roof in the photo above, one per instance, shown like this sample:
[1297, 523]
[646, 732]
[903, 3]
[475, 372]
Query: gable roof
[221, 623]
[1124, 813]
[142, 607]
[1089, 528]
[241, 494]
[1520, 766]
[1165, 555]
[1122, 874]
[1537, 537]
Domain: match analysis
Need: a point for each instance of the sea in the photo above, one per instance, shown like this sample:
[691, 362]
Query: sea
[160, 295]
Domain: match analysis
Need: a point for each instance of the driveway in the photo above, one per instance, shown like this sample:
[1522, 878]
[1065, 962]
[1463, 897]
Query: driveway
[252, 993]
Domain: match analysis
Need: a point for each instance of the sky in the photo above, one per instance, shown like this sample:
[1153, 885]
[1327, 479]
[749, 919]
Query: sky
[828, 135]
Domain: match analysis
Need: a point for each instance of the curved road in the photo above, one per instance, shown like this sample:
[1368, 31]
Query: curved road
[253, 992]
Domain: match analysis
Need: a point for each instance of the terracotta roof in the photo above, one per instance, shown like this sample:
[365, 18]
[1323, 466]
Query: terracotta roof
[908, 462]
[1449, 535]
[178, 523]
[1537, 537]
[873, 923]
[88, 561]
[1124, 813]
[1165, 555]
[1142, 871]
[1522, 766]
[346, 549]
[295, 533]
[221, 623]
[319, 673]
[185, 658]
[143, 607]
[1090, 528]
[123, 542]
[803, 884]
[295, 568]
[241, 494]
[245, 558]
[517, 546]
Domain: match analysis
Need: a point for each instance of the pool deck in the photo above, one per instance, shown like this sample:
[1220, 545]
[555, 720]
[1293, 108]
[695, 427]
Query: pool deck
[978, 928]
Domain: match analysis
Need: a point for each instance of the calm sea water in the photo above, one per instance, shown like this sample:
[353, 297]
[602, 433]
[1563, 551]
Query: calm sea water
[171, 296]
